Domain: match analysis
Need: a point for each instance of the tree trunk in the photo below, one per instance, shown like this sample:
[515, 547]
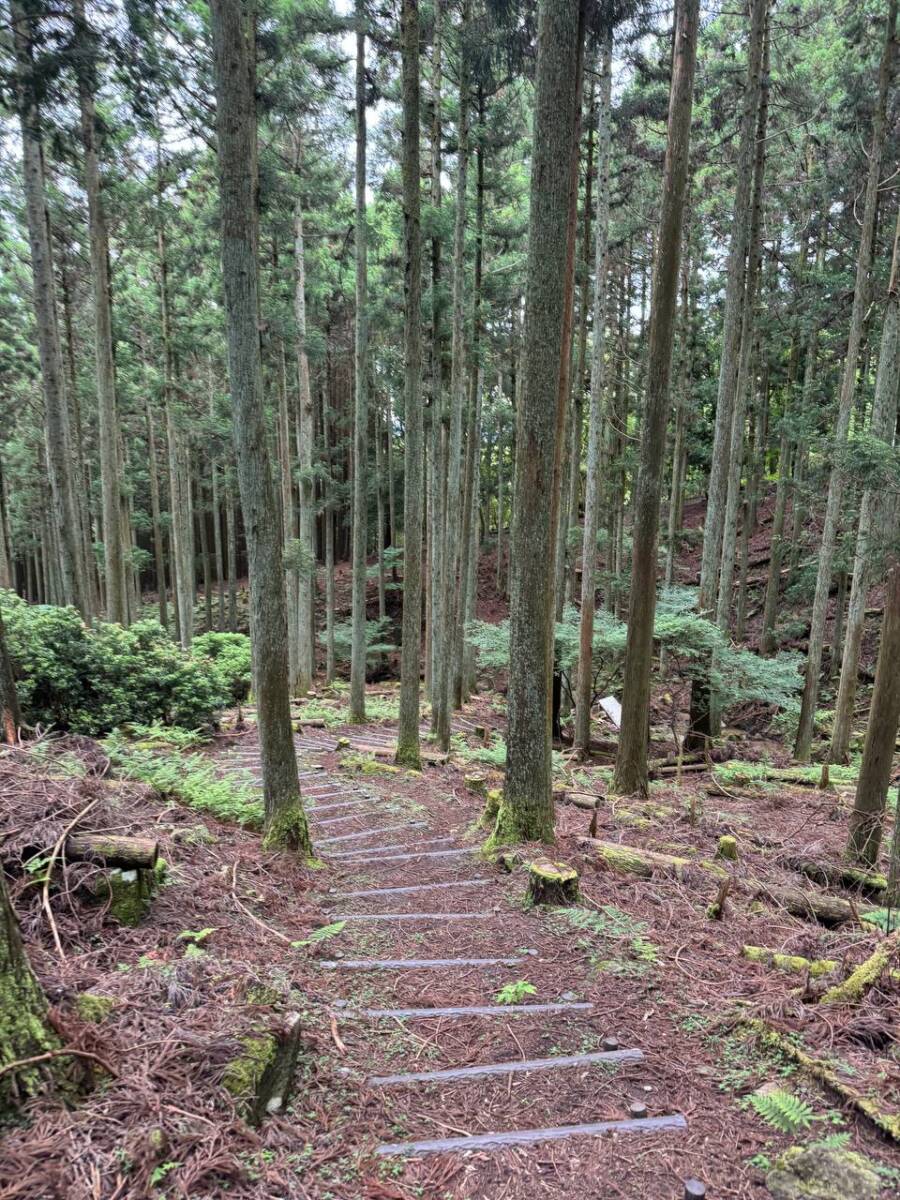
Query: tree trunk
[56, 411]
[408, 732]
[234, 63]
[379, 513]
[527, 809]
[10, 716]
[361, 401]
[454, 585]
[155, 516]
[837, 481]
[288, 521]
[867, 819]
[231, 543]
[702, 719]
[437, 467]
[306, 647]
[113, 558]
[882, 425]
[593, 483]
[631, 759]
[329, 551]
[744, 384]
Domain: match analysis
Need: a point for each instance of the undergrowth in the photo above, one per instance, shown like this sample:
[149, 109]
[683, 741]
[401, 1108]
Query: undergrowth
[637, 955]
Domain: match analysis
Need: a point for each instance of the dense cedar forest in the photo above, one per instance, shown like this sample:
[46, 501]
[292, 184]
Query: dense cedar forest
[449, 599]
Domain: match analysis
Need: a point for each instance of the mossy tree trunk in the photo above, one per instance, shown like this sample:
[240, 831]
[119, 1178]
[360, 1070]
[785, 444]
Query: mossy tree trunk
[24, 1028]
[10, 716]
[631, 760]
[234, 61]
[408, 732]
[527, 809]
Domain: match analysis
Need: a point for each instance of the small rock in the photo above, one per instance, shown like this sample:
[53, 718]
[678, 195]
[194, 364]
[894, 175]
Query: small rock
[814, 1173]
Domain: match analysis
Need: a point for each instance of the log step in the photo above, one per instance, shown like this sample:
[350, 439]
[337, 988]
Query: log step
[509, 1068]
[411, 964]
[367, 833]
[402, 857]
[414, 916]
[342, 804]
[415, 887]
[349, 816]
[531, 1137]
[361, 853]
[472, 1010]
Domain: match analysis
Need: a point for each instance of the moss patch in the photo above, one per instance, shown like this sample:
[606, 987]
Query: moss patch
[94, 1008]
[289, 830]
[816, 1173]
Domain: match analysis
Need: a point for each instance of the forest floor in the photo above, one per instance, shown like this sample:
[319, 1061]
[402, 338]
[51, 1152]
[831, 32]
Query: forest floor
[217, 960]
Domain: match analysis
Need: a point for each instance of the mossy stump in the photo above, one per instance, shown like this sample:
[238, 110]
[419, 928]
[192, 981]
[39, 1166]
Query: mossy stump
[552, 883]
[493, 799]
[815, 1173]
[261, 1077]
[476, 784]
[128, 894]
[727, 848]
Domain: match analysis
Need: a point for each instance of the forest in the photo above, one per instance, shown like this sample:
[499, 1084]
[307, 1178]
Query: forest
[449, 599]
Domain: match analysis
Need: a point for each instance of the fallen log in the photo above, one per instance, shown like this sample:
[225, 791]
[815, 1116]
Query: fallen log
[381, 750]
[128, 853]
[644, 863]
[838, 875]
[794, 963]
[827, 910]
[866, 975]
[586, 800]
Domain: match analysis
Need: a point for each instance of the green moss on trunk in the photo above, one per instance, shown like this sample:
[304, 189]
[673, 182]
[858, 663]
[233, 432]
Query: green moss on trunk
[289, 830]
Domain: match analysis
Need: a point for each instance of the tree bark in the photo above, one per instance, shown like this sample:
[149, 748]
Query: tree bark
[113, 557]
[56, 410]
[527, 809]
[631, 759]
[234, 68]
[408, 732]
[593, 483]
[10, 715]
[881, 426]
[702, 718]
[306, 647]
[837, 480]
[361, 400]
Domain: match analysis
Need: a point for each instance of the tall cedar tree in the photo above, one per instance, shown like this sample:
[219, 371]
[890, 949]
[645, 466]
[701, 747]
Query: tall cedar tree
[408, 732]
[527, 809]
[234, 63]
[631, 761]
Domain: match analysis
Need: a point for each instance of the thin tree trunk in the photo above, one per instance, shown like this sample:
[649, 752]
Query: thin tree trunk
[408, 732]
[702, 717]
[10, 714]
[361, 400]
[437, 478]
[681, 404]
[631, 759]
[526, 812]
[867, 818]
[217, 544]
[56, 411]
[234, 69]
[379, 511]
[204, 555]
[837, 480]
[113, 557]
[593, 481]
[159, 557]
[306, 649]
[231, 542]
[286, 480]
[882, 425]
[472, 524]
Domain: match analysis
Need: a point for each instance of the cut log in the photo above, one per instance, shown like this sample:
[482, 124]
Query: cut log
[586, 800]
[644, 863]
[827, 910]
[552, 883]
[793, 963]
[261, 1077]
[866, 975]
[839, 875]
[128, 853]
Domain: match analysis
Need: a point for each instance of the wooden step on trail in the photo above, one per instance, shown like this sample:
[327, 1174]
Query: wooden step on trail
[349, 862]
[556, 1063]
[341, 804]
[412, 964]
[367, 833]
[414, 887]
[531, 1137]
[349, 816]
[363, 851]
[414, 916]
[470, 1010]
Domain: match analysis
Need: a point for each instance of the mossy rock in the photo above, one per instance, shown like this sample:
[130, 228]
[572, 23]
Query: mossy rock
[94, 1008]
[815, 1173]
[261, 1077]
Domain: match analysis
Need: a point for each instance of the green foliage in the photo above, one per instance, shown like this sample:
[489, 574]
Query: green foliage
[227, 657]
[322, 934]
[196, 936]
[515, 993]
[190, 779]
[90, 680]
[612, 924]
[887, 919]
[783, 1110]
[377, 642]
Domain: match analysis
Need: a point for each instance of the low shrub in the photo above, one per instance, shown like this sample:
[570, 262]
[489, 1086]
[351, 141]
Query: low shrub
[227, 656]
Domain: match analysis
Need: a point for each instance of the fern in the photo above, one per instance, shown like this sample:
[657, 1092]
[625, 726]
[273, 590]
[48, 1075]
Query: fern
[322, 934]
[783, 1111]
[834, 1141]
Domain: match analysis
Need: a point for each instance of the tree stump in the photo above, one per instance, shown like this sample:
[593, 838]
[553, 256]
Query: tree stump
[552, 883]
[261, 1077]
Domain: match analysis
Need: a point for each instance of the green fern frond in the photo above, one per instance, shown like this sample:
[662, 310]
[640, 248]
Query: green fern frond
[783, 1110]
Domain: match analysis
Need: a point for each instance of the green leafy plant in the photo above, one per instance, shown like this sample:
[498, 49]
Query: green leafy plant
[227, 657]
[196, 936]
[515, 993]
[377, 642]
[783, 1110]
[320, 935]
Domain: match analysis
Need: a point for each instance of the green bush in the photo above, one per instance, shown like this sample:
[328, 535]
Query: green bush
[89, 680]
[227, 656]
[377, 642]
